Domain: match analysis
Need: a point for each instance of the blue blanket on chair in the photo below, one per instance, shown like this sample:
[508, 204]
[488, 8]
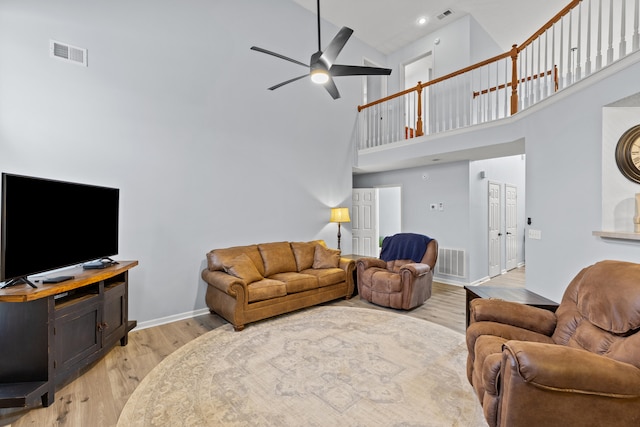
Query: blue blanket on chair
[404, 246]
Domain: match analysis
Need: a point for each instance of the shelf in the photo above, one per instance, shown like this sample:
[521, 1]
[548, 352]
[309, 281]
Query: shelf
[21, 394]
[617, 235]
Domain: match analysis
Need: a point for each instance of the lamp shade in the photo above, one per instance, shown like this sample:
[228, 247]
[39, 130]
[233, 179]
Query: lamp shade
[340, 215]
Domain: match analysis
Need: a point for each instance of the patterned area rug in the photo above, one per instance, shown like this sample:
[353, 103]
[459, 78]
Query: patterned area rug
[324, 366]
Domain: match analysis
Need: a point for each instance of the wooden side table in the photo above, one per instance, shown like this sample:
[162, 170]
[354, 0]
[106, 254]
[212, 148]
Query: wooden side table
[519, 295]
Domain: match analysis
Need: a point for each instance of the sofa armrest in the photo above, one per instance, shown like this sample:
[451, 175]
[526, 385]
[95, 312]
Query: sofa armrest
[348, 265]
[365, 263]
[567, 369]
[417, 269]
[514, 314]
[225, 282]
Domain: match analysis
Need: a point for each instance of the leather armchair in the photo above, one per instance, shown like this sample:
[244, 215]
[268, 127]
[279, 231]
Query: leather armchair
[579, 366]
[398, 283]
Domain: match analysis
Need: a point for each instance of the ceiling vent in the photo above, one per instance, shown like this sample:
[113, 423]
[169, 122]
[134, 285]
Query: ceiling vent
[66, 52]
[445, 14]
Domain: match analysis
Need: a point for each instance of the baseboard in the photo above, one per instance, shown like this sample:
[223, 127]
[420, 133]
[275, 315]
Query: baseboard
[169, 319]
[461, 284]
[449, 281]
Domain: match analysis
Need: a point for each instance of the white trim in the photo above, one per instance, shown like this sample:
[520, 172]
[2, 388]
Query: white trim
[170, 319]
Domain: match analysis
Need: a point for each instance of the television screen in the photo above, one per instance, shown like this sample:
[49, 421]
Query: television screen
[48, 224]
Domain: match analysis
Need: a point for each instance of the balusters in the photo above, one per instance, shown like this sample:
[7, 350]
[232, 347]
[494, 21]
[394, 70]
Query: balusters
[623, 40]
[636, 18]
[587, 64]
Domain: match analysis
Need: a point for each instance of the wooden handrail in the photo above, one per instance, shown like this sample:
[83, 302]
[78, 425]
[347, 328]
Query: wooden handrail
[513, 53]
[549, 24]
[522, 80]
[421, 86]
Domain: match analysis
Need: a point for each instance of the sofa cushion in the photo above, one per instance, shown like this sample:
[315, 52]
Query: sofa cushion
[218, 257]
[382, 280]
[304, 252]
[326, 258]
[243, 268]
[297, 282]
[266, 289]
[327, 276]
[277, 258]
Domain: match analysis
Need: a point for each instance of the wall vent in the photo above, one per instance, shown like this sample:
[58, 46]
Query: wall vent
[66, 52]
[451, 262]
[445, 14]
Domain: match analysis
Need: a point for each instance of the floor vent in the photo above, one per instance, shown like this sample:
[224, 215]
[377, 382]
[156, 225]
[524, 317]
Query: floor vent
[66, 52]
[445, 14]
[450, 262]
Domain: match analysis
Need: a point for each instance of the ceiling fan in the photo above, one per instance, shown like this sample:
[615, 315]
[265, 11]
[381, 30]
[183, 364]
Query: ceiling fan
[322, 67]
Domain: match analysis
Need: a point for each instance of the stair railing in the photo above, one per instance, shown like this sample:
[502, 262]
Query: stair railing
[556, 56]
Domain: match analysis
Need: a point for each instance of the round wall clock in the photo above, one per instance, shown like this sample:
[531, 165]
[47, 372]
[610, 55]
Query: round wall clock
[628, 154]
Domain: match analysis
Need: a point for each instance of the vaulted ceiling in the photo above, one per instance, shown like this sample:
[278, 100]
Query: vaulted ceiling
[390, 25]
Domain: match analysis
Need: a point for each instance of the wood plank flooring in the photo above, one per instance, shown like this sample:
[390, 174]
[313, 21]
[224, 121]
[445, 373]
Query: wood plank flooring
[98, 396]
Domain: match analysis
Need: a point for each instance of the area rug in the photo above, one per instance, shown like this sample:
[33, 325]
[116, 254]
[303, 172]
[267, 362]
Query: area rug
[324, 366]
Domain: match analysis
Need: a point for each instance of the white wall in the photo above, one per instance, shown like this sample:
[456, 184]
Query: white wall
[173, 110]
[504, 170]
[463, 222]
[566, 173]
[446, 184]
[565, 176]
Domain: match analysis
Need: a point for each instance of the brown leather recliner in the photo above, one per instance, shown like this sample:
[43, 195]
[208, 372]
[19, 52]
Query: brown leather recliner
[399, 283]
[579, 366]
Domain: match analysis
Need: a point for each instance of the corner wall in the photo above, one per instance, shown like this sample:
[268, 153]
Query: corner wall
[174, 110]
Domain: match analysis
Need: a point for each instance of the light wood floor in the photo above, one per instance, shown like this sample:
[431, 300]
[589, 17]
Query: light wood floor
[98, 396]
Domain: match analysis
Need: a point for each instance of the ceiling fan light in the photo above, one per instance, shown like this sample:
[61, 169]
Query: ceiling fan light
[319, 76]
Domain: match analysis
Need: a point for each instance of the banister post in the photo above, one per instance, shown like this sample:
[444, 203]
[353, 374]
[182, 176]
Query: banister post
[419, 131]
[514, 79]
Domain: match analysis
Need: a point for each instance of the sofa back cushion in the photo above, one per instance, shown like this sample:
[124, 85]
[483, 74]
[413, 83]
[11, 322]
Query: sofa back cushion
[304, 253]
[600, 311]
[217, 258]
[277, 258]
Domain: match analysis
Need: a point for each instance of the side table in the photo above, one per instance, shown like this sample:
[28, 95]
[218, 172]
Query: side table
[519, 295]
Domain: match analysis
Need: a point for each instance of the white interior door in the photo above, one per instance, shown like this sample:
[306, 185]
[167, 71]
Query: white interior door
[364, 222]
[511, 226]
[494, 229]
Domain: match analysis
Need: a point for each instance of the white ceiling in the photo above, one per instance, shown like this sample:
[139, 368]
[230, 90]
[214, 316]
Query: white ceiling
[390, 25]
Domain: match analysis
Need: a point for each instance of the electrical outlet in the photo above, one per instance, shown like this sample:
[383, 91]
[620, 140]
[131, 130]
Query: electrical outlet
[535, 234]
[440, 206]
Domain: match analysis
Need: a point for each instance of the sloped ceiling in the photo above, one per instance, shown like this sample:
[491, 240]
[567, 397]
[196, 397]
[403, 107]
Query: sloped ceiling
[391, 25]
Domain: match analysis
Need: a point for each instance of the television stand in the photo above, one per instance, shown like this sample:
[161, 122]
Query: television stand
[99, 264]
[52, 334]
[18, 281]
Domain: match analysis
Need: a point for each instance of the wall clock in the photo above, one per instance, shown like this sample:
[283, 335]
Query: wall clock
[628, 154]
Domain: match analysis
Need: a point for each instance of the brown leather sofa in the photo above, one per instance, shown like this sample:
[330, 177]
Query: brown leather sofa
[579, 366]
[254, 282]
[398, 283]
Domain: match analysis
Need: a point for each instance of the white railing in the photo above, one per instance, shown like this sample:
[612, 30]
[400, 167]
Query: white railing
[581, 39]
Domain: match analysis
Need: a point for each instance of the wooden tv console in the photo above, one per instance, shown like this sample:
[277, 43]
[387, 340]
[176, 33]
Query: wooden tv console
[49, 334]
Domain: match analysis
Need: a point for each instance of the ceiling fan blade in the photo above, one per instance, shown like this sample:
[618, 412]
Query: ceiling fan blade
[331, 87]
[277, 55]
[355, 70]
[331, 52]
[288, 81]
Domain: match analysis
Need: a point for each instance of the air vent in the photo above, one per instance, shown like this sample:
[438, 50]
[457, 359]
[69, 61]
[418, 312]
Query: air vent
[66, 52]
[445, 14]
[451, 262]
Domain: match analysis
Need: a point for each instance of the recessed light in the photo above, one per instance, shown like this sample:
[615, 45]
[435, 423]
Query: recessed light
[422, 20]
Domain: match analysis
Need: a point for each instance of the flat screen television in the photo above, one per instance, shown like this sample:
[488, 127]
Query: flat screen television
[48, 224]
